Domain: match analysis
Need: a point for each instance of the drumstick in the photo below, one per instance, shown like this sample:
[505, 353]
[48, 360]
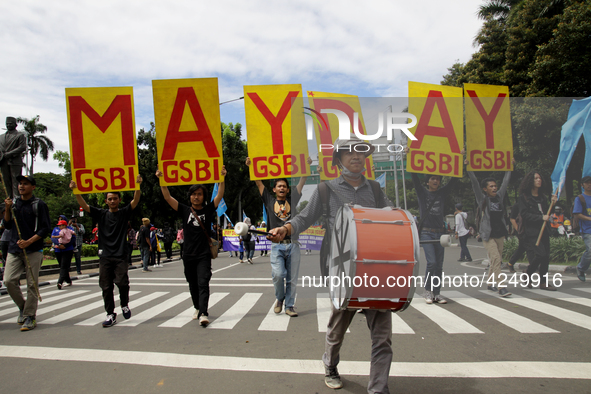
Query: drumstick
[242, 229]
[545, 221]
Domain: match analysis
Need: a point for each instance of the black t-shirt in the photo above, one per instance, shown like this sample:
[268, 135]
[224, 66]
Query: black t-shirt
[280, 212]
[144, 233]
[112, 230]
[498, 229]
[196, 244]
[514, 211]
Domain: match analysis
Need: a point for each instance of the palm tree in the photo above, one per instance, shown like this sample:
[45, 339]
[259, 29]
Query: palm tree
[497, 9]
[36, 142]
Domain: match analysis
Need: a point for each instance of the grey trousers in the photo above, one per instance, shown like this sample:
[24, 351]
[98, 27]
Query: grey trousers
[15, 265]
[380, 327]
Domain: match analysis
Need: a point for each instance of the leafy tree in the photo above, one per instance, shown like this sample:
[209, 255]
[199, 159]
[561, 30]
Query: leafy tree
[63, 159]
[37, 143]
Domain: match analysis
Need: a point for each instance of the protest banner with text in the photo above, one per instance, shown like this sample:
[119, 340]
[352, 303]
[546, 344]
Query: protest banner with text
[277, 144]
[326, 128]
[489, 140]
[187, 116]
[439, 131]
[103, 149]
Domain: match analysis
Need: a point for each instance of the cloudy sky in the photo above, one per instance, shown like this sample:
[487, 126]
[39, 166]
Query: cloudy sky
[366, 48]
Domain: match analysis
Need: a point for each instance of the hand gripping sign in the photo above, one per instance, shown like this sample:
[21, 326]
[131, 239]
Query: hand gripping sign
[439, 131]
[327, 127]
[102, 120]
[187, 115]
[489, 140]
[276, 134]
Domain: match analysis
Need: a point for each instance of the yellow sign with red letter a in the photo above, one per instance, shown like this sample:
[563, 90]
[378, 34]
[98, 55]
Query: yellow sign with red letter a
[277, 144]
[439, 130]
[187, 115]
[100, 121]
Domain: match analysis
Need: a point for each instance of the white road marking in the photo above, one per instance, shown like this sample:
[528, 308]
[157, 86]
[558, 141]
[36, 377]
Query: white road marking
[232, 316]
[78, 311]
[563, 296]
[93, 321]
[399, 326]
[323, 311]
[578, 319]
[186, 316]
[510, 319]
[449, 322]
[155, 310]
[65, 294]
[275, 321]
[45, 294]
[478, 370]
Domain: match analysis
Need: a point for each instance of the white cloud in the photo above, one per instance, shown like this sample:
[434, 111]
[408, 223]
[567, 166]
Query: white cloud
[366, 48]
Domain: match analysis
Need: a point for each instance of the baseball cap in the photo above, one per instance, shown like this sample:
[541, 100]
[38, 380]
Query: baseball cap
[584, 180]
[62, 223]
[28, 178]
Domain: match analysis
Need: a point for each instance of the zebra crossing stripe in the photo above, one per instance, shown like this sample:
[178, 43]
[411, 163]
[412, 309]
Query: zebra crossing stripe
[93, 321]
[186, 316]
[63, 294]
[474, 370]
[323, 310]
[585, 289]
[449, 322]
[564, 297]
[51, 308]
[399, 326]
[578, 319]
[274, 321]
[78, 311]
[45, 295]
[232, 316]
[156, 310]
[510, 319]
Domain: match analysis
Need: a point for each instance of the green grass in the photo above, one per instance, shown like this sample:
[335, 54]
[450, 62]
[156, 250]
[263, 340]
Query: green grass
[54, 261]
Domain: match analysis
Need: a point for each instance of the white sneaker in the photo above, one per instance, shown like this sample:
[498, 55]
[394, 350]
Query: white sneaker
[196, 314]
[66, 284]
[440, 300]
[203, 320]
[428, 297]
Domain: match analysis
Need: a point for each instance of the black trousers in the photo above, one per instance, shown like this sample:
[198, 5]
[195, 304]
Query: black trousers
[113, 271]
[198, 274]
[64, 260]
[538, 256]
[168, 249]
[518, 252]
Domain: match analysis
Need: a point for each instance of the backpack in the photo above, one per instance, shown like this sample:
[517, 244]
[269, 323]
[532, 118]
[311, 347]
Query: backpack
[323, 190]
[575, 220]
[35, 206]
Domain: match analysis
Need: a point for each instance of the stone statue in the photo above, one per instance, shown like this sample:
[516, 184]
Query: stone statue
[12, 146]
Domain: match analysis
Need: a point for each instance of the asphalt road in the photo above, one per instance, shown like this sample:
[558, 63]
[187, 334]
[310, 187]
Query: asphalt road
[478, 343]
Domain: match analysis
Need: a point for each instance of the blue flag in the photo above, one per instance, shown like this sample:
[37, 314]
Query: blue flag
[578, 123]
[229, 221]
[382, 180]
[222, 208]
[244, 216]
[265, 214]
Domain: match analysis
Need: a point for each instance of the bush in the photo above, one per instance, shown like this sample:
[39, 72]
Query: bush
[89, 250]
[562, 249]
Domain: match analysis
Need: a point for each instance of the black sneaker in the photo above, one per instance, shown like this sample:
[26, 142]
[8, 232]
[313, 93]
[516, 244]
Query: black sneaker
[504, 292]
[511, 268]
[580, 275]
[126, 312]
[29, 324]
[111, 320]
[492, 288]
[59, 286]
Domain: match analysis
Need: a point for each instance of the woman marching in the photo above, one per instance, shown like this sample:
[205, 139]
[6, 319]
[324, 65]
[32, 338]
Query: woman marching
[197, 219]
[533, 207]
[493, 228]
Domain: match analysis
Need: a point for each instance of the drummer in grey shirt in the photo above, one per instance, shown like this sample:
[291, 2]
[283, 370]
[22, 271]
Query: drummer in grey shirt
[351, 187]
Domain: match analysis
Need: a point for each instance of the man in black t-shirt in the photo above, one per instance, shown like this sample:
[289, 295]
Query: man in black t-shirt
[112, 245]
[197, 221]
[144, 244]
[285, 256]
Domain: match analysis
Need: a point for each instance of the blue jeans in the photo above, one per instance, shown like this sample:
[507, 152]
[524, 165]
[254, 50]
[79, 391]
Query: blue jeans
[434, 255]
[145, 253]
[285, 265]
[586, 257]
